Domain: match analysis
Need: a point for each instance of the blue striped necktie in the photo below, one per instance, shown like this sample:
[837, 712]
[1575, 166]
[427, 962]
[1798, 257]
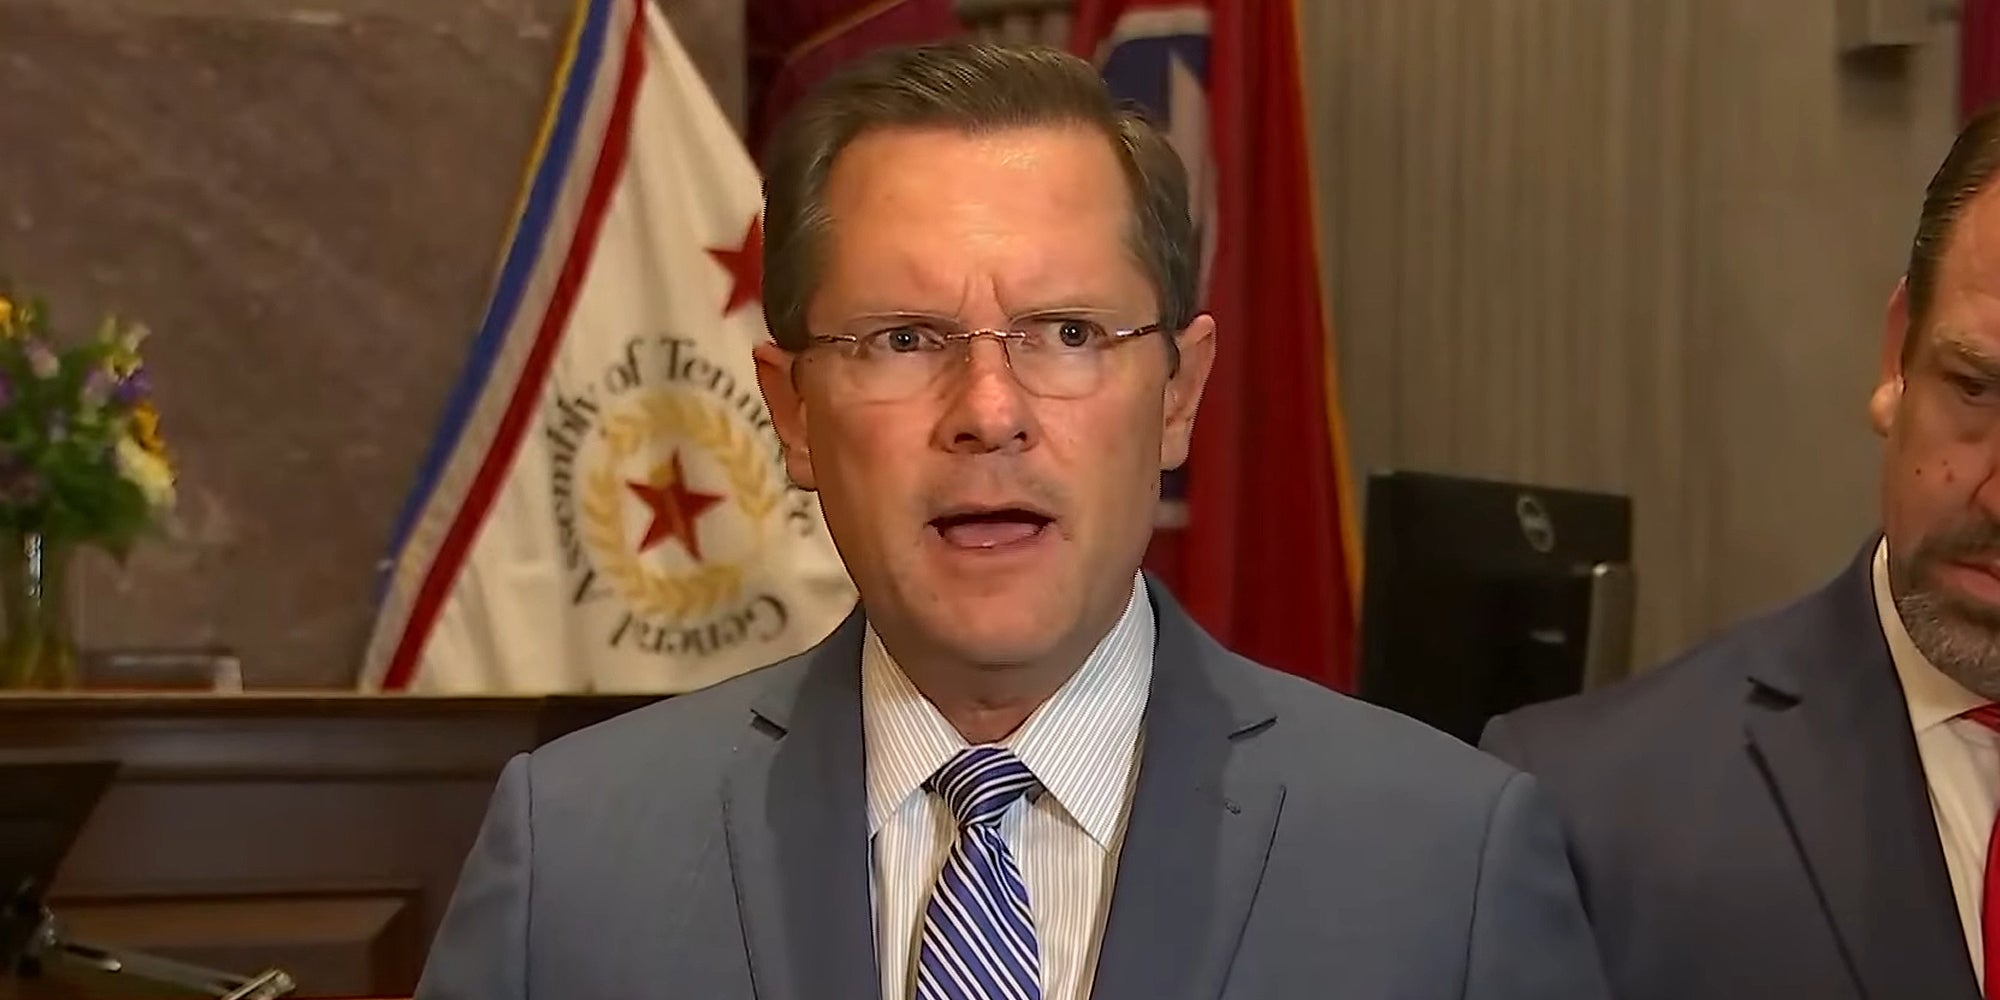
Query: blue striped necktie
[979, 934]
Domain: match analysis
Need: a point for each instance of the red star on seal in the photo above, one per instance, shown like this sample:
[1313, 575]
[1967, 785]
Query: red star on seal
[674, 507]
[745, 264]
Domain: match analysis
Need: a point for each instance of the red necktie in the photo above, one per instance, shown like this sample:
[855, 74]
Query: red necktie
[1989, 898]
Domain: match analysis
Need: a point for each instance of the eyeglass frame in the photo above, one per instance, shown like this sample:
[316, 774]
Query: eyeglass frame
[1114, 338]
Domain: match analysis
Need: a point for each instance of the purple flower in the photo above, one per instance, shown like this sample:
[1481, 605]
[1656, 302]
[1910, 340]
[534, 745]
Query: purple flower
[132, 388]
[96, 388]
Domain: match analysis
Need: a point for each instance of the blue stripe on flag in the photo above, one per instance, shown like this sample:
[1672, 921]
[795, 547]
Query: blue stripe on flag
[523, 254]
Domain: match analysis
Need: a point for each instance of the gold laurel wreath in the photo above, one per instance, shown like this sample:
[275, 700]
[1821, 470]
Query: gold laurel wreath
[674, 596]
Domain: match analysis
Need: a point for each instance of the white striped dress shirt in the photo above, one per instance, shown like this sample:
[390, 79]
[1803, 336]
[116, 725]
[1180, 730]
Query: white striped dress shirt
[1082, 744]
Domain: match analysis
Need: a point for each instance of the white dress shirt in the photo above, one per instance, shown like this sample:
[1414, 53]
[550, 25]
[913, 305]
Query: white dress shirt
[1082, 744]
[1961, 760]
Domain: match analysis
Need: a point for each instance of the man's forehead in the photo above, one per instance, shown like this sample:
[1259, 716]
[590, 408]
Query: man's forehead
[1972, 253]
[933, 166]
[885, 279]
[1003, 215]
[1963, 312]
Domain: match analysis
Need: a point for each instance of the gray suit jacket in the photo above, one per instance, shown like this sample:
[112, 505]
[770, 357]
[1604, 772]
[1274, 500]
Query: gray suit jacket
[1751, 821]
[1284, 841]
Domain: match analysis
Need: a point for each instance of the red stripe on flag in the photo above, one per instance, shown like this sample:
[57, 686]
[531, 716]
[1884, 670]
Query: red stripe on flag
[507, 440]
[1979, 56]
[1294, 606]
[1265, 562]
[795, 44]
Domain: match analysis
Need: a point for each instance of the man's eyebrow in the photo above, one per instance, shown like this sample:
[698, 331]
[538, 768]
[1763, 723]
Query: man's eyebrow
[896, 315]
[926, 316]
[1065, 306]
[1963, 349]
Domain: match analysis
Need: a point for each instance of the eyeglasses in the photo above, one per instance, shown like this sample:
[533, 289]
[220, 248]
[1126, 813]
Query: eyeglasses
[1061, 358]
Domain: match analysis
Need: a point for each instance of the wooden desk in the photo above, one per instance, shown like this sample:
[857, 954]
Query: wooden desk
[72, 983]
[319, 833]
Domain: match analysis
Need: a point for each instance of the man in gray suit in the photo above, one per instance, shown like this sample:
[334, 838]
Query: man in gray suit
[1019, 770]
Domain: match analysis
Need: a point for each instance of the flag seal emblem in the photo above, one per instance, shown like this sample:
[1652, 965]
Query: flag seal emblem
[668, 488]
[605, 506]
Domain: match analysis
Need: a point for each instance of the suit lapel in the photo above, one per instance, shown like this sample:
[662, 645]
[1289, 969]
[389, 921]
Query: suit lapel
[1200, 829]
[1828, 725]
[795, 813]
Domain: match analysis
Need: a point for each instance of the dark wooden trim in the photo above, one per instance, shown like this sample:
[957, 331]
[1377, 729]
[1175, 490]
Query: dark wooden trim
[300, 801]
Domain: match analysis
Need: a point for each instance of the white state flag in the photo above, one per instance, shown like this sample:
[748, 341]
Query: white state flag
[605, 508]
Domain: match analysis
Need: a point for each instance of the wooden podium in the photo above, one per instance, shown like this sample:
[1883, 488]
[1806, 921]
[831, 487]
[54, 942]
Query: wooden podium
[320, 833]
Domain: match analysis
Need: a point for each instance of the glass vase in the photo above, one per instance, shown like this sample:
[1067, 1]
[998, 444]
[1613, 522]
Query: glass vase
[39, 650]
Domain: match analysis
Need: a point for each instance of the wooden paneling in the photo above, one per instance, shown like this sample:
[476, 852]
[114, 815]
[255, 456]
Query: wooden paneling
[319, 834]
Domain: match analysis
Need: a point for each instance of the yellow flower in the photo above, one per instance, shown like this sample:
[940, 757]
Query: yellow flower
[123, 358]
[146, 429]
[6, 315]
[148, 471]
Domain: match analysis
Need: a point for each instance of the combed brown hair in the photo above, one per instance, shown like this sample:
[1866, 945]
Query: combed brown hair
[1967, 170]
[972, 87]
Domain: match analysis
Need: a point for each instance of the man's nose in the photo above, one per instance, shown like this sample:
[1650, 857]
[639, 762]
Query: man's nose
[986, 410]
[1986, 495]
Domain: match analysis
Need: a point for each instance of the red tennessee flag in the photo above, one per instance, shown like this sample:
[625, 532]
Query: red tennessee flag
[1266, 557]
[794, 44]
[1979, 56]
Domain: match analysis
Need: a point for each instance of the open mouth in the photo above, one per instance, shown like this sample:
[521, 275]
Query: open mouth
[991, 528]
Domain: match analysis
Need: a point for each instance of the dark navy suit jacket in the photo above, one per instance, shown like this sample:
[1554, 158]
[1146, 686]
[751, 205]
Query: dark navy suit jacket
[1751, 821]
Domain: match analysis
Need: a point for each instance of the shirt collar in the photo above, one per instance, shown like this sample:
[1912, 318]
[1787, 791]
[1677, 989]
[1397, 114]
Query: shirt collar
[1933, 698]
[1081, 743]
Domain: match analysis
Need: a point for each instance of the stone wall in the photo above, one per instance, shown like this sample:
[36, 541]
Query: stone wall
[305, 201]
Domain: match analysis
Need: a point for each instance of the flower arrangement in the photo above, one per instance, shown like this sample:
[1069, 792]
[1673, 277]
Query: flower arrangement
[82, 464]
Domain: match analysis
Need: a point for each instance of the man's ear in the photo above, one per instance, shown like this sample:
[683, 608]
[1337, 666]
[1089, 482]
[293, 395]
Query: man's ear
[777, 378]
[1183, 395]
[1888, 395]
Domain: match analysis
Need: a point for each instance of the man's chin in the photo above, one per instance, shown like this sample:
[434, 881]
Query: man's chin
[1959, 635]
[1010, 631]
[999, 649]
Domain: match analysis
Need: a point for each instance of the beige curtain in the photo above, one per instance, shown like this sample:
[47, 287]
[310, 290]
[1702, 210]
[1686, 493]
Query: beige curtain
[1627, 245]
